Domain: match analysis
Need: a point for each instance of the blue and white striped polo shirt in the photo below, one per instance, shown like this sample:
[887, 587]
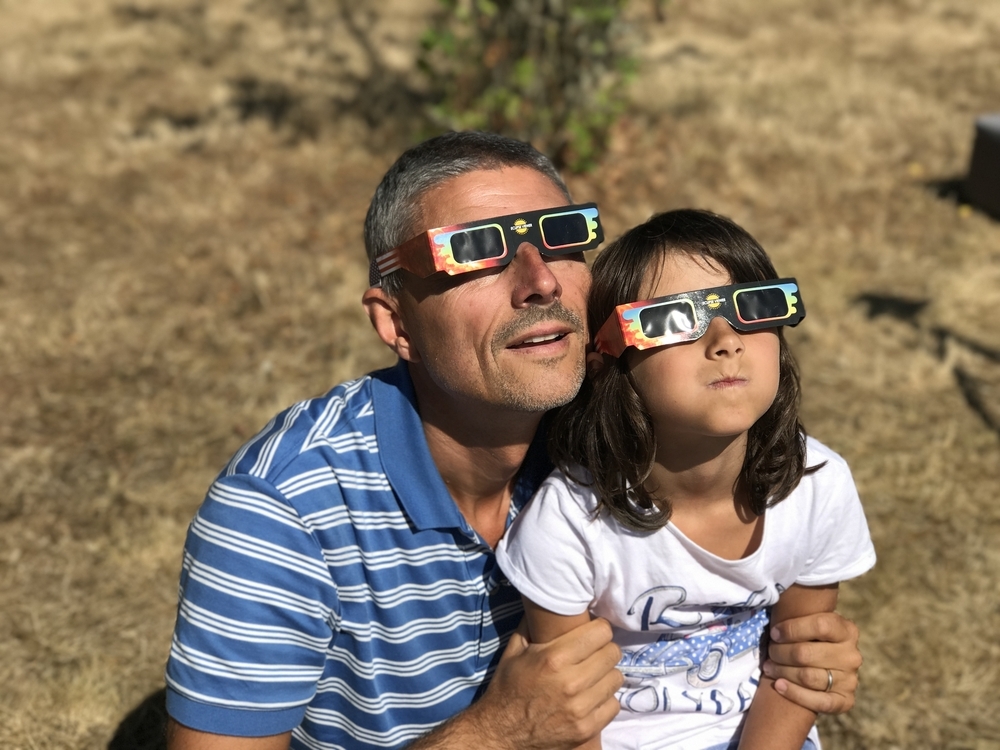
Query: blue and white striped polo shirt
[331, 585]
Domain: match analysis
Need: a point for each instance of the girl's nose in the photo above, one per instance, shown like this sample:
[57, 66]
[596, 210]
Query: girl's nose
[722, 340]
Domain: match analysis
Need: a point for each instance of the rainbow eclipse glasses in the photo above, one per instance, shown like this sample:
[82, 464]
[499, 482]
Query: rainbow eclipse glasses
[679, 318]
[489, 243]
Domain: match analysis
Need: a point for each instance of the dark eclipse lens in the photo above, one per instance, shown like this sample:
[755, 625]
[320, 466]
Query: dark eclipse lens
[672, 317]
[761, 304]
[565, 230]
[477, 244]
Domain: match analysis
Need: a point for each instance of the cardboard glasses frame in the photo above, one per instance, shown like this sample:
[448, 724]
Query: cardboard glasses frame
[489, 243]
[680, 318]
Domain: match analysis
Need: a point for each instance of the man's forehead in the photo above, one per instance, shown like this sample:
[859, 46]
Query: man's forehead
[485, 193]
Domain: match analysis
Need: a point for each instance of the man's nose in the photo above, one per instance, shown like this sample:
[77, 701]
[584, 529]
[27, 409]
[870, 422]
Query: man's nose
[534, 282]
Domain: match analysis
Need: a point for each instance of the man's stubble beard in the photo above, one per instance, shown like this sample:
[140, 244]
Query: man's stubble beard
[511, 391]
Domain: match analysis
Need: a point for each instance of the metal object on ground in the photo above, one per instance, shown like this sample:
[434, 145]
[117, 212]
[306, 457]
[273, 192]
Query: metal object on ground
[983, 183]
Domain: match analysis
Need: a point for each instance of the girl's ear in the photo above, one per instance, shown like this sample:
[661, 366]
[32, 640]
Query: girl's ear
[595, 363]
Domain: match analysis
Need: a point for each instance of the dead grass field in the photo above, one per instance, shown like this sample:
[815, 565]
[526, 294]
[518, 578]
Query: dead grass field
[182, 189]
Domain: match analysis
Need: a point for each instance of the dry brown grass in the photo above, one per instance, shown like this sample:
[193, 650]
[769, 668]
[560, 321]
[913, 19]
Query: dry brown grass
[174, 269]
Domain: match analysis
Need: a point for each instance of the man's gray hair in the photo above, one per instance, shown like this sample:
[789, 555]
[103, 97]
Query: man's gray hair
[395, 207]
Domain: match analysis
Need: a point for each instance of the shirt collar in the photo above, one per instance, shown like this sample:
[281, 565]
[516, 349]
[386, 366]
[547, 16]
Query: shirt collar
[407, 463]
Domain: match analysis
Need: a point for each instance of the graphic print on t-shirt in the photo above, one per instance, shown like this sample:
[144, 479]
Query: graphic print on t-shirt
[671, 673]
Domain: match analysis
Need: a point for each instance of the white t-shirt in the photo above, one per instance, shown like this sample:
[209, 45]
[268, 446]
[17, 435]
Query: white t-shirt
[689, 623]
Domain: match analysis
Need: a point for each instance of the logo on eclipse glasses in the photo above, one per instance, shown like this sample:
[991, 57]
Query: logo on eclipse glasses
[521, 226]
[714, 301]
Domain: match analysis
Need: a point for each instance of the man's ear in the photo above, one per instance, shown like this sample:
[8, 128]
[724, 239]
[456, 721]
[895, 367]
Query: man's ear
[384, 313]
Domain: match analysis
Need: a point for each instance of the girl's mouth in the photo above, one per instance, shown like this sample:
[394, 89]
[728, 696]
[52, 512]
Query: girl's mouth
[728, 383]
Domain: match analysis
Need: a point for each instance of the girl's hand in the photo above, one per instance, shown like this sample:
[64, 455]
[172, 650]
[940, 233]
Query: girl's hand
[801, 652]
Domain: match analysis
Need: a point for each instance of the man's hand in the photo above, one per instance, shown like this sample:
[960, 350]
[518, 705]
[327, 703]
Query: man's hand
[803, 653]
[551, 695]
[556, 694]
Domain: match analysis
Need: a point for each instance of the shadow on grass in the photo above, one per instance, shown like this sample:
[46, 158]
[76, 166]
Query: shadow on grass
[955, 189]
[145, 727]
[901, 308]
[974, 388]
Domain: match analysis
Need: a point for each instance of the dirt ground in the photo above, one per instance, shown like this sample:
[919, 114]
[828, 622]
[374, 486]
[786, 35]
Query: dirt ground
[182, 190]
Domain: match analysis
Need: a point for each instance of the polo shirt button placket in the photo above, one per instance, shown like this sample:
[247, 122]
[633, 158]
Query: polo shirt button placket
[482, 568]
[500, 612]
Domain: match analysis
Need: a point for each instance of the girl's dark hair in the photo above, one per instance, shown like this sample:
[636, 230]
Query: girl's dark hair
[606, 428]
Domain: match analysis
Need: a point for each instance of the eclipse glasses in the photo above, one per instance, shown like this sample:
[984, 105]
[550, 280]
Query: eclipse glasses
[679, 318]
[489, 243]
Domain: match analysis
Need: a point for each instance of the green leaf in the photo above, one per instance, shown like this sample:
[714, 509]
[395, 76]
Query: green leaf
[553, 73]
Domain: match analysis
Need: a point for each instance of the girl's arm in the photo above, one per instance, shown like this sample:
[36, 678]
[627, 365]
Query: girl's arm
[544, 626]
[774, 722]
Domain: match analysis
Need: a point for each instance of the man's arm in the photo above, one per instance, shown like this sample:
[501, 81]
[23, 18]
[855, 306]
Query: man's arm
[803, 649]
[544, 696]
[553, 695]
[774, 722]
[180, 737]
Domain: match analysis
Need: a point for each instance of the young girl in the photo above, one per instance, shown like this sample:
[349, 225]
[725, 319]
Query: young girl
[689, 506]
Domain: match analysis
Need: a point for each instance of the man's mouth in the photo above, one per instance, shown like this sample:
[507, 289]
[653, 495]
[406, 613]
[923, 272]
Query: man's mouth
[537, 327]
[547, 338]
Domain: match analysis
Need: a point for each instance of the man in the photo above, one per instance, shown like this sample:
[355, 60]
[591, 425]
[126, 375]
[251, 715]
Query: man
[339, 588]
